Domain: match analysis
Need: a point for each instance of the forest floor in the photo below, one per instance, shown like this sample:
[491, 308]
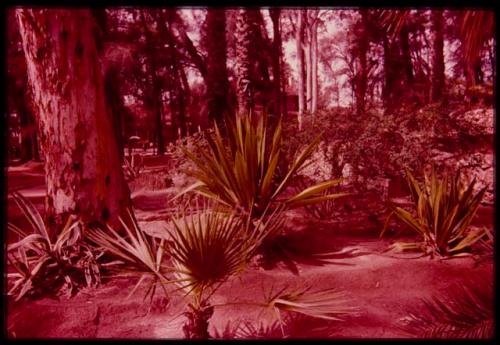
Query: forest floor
[386, 289]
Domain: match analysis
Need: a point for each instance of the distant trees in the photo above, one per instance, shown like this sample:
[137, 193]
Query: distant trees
[82, 163]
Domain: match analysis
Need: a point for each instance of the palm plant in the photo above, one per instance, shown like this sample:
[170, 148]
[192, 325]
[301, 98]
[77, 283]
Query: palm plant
[206, 248]
[44, 263]
[466, 313]
[444, 211]
[244, 176]
[138, 254]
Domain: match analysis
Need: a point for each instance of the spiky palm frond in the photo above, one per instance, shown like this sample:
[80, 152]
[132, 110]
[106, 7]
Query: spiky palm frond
[142, 254]
[465, 313]
[209, 247]
[243, 175]
[444, 211]
[476, 28]
[328, 304]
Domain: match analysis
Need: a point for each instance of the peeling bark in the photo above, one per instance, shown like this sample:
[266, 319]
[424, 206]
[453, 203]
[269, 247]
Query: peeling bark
[82, 162]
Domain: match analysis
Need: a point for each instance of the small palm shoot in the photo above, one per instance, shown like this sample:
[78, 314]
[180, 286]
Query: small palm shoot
[43, 263]
[444, 211]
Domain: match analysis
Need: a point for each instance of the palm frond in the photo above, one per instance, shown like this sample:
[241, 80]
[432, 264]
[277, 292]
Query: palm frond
[465, 313]
[241, 171]
[142, 253]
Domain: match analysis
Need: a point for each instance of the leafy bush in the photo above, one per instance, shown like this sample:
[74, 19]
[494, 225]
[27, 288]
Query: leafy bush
[444, 211]
[243, 175]
[62, 263]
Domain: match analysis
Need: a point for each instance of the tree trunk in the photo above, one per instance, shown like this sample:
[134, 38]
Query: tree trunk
[82, 164]
[245, 87]
[363, 70]
[217, 82]
[275, 17]
[404, 41]
[314, 62]
[157, 100]
[308, 51]
[438, 78]
[300, 61]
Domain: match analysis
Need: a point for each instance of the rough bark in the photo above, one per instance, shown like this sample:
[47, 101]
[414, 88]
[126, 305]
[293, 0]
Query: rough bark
[245, 84]
[438, 78]
[82, 164]
[300, 62]
[217, 81]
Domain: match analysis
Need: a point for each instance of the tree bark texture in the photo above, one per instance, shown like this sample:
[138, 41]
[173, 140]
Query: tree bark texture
[82, 164]
[245, 87]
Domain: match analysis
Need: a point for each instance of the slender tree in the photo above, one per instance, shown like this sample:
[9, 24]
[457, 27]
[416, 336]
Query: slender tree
[438, 78]
[299, 33]
[217, 82]
[277, 54]
[245, 83]
[82, 162]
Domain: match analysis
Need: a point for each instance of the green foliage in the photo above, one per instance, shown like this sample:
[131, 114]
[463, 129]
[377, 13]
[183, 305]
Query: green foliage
[465, 313]
[243, 175]
[444, 211]
[42, 263]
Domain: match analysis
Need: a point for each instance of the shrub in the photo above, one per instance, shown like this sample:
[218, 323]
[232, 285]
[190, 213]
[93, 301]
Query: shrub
[444, 211]
[244, 176]
[62, 263]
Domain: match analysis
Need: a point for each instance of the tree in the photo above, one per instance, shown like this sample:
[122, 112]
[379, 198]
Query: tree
[245, 83]
[276, 57]
[82, 163]
[299, 33]
[19, 101]
[438, 77]
[216, 80]
[156, 86]
[314, 61]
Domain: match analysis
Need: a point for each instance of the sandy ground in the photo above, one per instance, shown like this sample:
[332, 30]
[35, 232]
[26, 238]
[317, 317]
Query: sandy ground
[385, 289]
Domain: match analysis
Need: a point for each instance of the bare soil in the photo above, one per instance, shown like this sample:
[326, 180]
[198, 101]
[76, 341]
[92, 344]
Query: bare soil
[385, 288]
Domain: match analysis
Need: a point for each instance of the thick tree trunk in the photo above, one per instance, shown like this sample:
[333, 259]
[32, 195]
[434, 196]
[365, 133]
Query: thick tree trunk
[217, 82]
[300, 61]
[438, 78]
[82, 164]
[275, 17]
